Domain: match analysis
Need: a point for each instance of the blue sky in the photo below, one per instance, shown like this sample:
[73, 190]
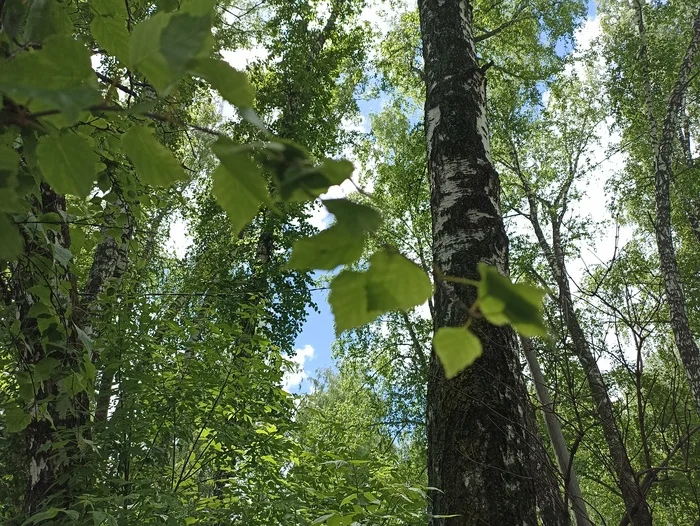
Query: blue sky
[318, 332]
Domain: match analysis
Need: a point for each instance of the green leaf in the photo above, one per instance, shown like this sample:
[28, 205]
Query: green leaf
[115, 8]
[11, 244]
[348, 300]
[392, 282]
[233, 196]
[232, 85]
[457, 348]
[112, 34]
[16, 419]
[58, 76]
[61, 255]
[360, 217]
[348, 499]
[186, 38]
[68, 163]
[154, 163]
[44, 368]
[14, 16]
[396, 283]
[340, 244]
[296, 178]
[73, 384]
[145, 54]
[501, 302]
[238, 163]
[46, 18]
[298, 183]
[9, 164]
[337, 171]
[328, 249]
[163, 46]
[42, 516]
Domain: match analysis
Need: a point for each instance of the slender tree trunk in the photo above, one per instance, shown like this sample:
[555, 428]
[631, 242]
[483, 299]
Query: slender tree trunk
[556, 436]
[551, 506]
[635, 503]
[478, 448]
[663, 174]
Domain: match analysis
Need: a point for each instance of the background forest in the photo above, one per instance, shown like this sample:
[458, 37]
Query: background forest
[177, 199]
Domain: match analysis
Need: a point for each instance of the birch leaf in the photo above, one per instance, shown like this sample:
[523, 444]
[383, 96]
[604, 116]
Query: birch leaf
[154, 163]
[501, 302]
[391, 283]
[68, 163]
[239, 203]
[456, 348]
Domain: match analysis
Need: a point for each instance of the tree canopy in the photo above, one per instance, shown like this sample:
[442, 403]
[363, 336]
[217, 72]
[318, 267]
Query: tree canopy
[496, 201]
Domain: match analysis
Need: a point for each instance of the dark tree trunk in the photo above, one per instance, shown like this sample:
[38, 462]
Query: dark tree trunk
[478, 435]
[57, 417]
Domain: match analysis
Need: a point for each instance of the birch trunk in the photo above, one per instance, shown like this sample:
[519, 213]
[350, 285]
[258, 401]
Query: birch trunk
[478, 436]
[56, 416]
[663, 174]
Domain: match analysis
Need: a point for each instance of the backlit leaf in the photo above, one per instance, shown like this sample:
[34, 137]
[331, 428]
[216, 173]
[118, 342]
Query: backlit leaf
[340, 244]
[396, 283]
[111, 34]
[232, 85]
[501, 302]
[68, 163]
[239, 164]
[154, 163]
[163, 46]
[145, 52]
[235, 197]
[58, 76]
[328, 249]
[457, 348]
[360, 217]
[45, 19]
[392, 282]
[185, 38]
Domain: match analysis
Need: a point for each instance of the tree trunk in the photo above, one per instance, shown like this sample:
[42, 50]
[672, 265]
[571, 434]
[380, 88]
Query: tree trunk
[551, 506]
[478, 448]
[57, 417]
[663, 174]
[635, 503]
[556, 436]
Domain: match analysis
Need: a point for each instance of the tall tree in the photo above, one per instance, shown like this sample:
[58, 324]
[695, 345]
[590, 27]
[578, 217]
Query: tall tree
[662, 143]
[478, 448]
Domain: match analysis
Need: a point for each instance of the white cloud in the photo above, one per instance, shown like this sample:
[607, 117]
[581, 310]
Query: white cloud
[241, 58]
[296, 373]
[179, 238]
[380, 18]
[587, 33]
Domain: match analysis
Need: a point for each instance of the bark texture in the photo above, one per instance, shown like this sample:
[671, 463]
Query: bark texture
[478, 445]
[60, 416]
[56, 417]
[662, 145]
